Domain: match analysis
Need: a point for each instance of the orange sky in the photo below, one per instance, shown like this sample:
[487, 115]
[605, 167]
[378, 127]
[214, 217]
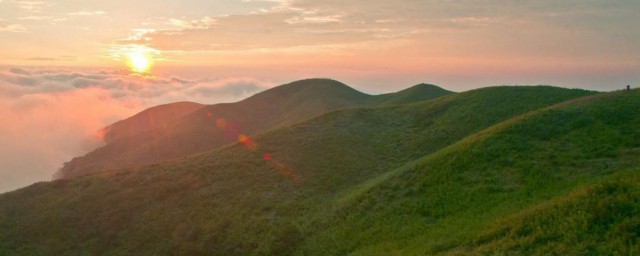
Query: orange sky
[459, 44]
[58, 55]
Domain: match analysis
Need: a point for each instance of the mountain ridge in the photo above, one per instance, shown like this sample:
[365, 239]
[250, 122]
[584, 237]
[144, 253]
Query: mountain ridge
[234, 201]
[199, 129]
[153, 119]
[410, 94]
[516, 173]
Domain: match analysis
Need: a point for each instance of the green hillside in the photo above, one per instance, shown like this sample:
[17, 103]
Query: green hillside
[503, 170]
[159, 134]
[560, 180]
[599, 219]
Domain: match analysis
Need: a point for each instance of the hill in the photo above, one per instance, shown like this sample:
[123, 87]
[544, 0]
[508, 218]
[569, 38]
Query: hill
[302, 189]
[152, 120]
[559, 180]
[412, 94]
[176, 130]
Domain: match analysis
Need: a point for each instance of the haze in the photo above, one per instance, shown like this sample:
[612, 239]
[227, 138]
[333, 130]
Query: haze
[64, 71]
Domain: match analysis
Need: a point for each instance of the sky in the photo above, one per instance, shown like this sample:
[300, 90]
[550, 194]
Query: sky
[68, 67]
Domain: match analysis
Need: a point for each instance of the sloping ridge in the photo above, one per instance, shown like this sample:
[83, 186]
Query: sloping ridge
[559, 180]
[413, 94]
[176, 130]
[234, 201]
[155, 119]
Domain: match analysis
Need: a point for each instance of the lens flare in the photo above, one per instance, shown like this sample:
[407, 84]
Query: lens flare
[247, 142]
[274, 164]
[221, 123]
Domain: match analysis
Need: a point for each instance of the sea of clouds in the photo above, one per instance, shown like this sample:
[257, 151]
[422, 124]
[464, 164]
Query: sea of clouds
[50, 115]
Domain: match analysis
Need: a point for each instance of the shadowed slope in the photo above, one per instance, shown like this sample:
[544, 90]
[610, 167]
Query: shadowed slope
[162, 133]
[128, 134]
[152, 120]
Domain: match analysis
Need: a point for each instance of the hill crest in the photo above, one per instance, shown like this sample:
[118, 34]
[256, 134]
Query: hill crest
[153, 119]
[186, 128]
[234, 201]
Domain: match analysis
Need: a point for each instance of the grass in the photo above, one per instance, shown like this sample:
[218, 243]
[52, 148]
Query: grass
[181, 129]
[400, 179]
[596, 219]
[444, 203]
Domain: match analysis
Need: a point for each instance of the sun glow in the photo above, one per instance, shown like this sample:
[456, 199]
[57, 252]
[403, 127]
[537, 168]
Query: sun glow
[138, 58]
[139, 61]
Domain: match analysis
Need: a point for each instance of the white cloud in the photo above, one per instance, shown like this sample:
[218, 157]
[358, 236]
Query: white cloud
[35, 18]
[32, 6]
[46, 129]
[180, 24]
[13, 28]
[125, 85]
[87, 13]
[139, 34]
[313, 19]
[43, 125]
[304, 23]
[260, 31]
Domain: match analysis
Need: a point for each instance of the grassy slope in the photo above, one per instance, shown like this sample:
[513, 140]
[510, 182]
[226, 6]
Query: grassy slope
[197, 131]
[598, 219]
[231, 201]
[517, 187]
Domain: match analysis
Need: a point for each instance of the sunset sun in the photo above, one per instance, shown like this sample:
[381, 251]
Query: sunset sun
[139, 62]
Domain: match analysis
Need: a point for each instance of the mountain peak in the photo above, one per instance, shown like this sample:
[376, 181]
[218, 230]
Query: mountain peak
[423, 87]
[317, 82]
[153, 118]
[308, 89]
[419, 92]
[179, 129]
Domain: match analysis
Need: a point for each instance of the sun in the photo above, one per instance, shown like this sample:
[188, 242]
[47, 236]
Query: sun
[139, 61]
[137, 58]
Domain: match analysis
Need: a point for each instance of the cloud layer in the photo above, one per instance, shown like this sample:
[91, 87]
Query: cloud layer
[52, 115]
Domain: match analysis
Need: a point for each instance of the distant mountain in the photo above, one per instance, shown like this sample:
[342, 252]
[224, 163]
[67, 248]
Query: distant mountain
[502, 170]
[175, 130]
[413, 94]
[153, 120]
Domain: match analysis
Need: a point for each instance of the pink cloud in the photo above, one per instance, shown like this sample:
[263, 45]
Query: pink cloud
[50, 116]
[42, 130]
